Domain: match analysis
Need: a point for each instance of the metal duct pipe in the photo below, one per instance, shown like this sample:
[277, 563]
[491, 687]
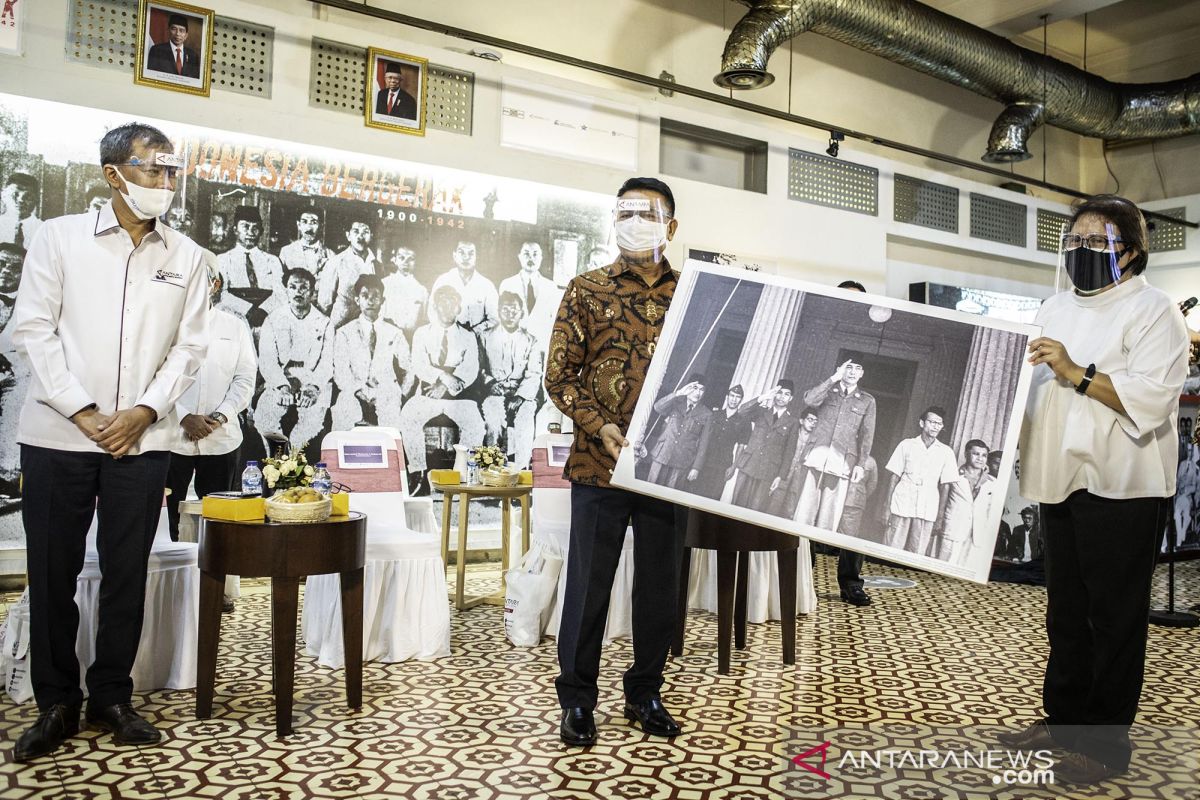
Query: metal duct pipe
[1035, 88]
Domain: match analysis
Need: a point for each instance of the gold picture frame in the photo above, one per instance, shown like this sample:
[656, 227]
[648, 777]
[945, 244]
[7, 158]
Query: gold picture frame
[164, 63]
[404, 111]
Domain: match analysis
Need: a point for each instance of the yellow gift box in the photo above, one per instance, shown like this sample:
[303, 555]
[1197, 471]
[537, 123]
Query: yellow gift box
[445, 476]
[525, 478]
[233, 509]
[341, 504]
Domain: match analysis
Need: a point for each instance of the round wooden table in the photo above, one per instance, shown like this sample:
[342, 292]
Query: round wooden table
[465, 492]
[285, 553]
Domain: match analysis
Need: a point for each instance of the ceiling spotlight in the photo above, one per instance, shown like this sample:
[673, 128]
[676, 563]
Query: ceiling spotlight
[743, 79]
[834, 138]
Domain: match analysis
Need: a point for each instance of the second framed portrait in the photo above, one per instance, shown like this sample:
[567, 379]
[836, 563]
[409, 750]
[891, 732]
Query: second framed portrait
[395, 98]
[174, 47]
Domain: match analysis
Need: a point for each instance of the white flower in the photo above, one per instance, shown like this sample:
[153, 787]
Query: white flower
[271, 473]
[288, 467]
[308, 471]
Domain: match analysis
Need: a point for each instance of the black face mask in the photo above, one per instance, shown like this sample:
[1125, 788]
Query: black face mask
[1090, 270]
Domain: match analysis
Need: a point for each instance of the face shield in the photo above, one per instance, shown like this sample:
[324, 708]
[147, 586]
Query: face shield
[1088, 261]
[640, 227]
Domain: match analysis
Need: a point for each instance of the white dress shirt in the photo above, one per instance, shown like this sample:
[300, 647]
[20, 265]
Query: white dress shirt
[1134, 334]
[478, 296]
[353, 362]
[547, 297]
[514, 356]
[404, 300]
[103, 322]
[10, 223]
[461, 351]
[268, 271]
[224, 384]
[292, 347]
[299, 255]
[335, 289]
[922, 471]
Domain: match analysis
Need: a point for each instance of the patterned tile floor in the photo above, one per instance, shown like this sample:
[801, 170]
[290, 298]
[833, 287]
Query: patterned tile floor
[482, 724]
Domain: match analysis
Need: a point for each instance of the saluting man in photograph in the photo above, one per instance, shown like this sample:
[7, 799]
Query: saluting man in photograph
[112, 317]
[684, 418]
[606, 331]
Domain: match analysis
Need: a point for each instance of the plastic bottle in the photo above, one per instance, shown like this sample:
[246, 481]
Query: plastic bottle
[252, 479]
[321, 480]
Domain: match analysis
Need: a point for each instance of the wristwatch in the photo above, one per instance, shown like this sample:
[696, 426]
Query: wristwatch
[1088, 374]
[219, 417]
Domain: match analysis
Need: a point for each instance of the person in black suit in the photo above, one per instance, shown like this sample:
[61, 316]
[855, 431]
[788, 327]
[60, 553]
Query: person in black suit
[391, 100]
[725, 433]
[171, 56]
[771, 446]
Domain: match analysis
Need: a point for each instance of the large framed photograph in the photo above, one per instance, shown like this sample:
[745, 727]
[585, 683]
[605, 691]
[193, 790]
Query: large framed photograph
[396, 85]
[859, 421]
[174, 47]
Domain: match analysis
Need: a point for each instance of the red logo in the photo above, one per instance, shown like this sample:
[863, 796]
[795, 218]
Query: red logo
[823, 749]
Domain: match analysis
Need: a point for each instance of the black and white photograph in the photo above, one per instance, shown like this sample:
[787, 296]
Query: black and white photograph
[1183, 528]
[733, 260]
[12, 23]
[395, 98]
[858, 421]
[174, 47]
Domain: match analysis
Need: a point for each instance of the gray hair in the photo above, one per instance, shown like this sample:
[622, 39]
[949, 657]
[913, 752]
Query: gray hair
[117, 145]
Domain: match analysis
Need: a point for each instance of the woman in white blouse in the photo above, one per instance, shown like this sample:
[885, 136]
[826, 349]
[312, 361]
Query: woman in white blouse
[1098, 452]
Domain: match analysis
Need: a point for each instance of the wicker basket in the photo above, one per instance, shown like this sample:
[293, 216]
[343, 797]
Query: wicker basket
[501, 478]
[299, 512]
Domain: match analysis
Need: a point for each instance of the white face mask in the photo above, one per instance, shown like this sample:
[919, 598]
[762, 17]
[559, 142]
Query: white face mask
[146, 203]
[638, 235]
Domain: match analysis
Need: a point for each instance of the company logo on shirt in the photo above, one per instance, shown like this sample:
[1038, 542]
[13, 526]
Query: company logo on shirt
[166, 276]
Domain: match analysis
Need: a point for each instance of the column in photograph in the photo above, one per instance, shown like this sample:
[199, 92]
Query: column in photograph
[769, 340]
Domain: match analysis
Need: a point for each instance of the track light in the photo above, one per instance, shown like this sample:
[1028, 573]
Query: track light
[834, 138]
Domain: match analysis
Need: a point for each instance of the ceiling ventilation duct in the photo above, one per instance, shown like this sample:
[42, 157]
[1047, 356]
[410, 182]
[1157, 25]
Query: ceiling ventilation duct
[1035, 89]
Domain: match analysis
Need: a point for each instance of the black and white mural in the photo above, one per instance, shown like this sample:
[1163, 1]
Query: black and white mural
[859, 421]
[472, 269]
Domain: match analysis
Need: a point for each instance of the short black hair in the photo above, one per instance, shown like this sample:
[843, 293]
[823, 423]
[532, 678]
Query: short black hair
[12, 248]
[808, 410]
[368, 282]
[302, 273]
[177, 19]
[649, 185]
[117, 145]
[509, 297]
[1127, 218]
[23, 180]
[941, 412]
[247, 214]
[975, 443]
[855, 285]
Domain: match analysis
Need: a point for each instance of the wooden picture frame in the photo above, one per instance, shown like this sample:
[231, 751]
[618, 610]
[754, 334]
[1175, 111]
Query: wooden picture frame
[404, 111]
[158, 63]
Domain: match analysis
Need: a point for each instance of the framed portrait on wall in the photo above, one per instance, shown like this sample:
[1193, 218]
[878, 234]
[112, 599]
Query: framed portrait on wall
[12, 20]
[395, 93]
[174, 47]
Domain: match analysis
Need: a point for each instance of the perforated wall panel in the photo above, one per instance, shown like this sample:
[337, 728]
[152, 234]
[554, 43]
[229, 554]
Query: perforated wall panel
[242, 54]
[451, 100]
[997, 220]
[1050, 227]
[1167, 235]
[101, 32]
[924, 203]
[832, 182]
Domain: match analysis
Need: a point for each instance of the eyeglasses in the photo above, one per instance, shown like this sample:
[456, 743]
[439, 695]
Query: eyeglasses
[152, 171]
[1096, 241]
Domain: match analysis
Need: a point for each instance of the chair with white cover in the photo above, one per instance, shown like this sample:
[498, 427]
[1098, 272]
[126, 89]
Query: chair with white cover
[551, 528]
[406, 614]
[762, 585]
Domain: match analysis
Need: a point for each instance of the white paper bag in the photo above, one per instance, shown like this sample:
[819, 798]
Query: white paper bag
[529, 598]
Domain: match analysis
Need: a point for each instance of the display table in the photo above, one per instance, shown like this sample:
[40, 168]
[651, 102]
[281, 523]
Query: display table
[285, 553]
[465, 493]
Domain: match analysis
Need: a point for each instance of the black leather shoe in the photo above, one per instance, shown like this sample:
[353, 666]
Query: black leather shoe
[856, 597]
[55, 725]
[126, 726]
[1035, 737]
[578, 728]
[1081, 770]
[227, 605]
[654, 718]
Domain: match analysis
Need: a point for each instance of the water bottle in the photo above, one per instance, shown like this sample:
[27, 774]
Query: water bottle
[252, 479]
[321, 480]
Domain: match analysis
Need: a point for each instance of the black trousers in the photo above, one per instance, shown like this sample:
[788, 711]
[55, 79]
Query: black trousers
[599, 518]
[213, 474]
[1100, 557]
[62, 490]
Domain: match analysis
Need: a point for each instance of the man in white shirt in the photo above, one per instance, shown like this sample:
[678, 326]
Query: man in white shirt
[246, 265]
[14, 372]
[512, 367]
[477, 294]
[18, 209]
[308, 251]
[922, 470]
[371, 363]
[445, 359]
[335, 292]
[295, 356]
[112, 319]
[404, 298]
[540, 296]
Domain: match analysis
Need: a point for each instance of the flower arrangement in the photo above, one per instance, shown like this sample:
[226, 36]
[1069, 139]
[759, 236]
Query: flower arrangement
[488, 457]
[285, 470]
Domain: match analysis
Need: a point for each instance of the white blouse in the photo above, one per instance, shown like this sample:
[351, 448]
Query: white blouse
[1134, 334]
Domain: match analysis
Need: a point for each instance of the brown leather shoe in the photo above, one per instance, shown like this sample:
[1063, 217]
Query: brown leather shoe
[1035, 737]
[1081, 770]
